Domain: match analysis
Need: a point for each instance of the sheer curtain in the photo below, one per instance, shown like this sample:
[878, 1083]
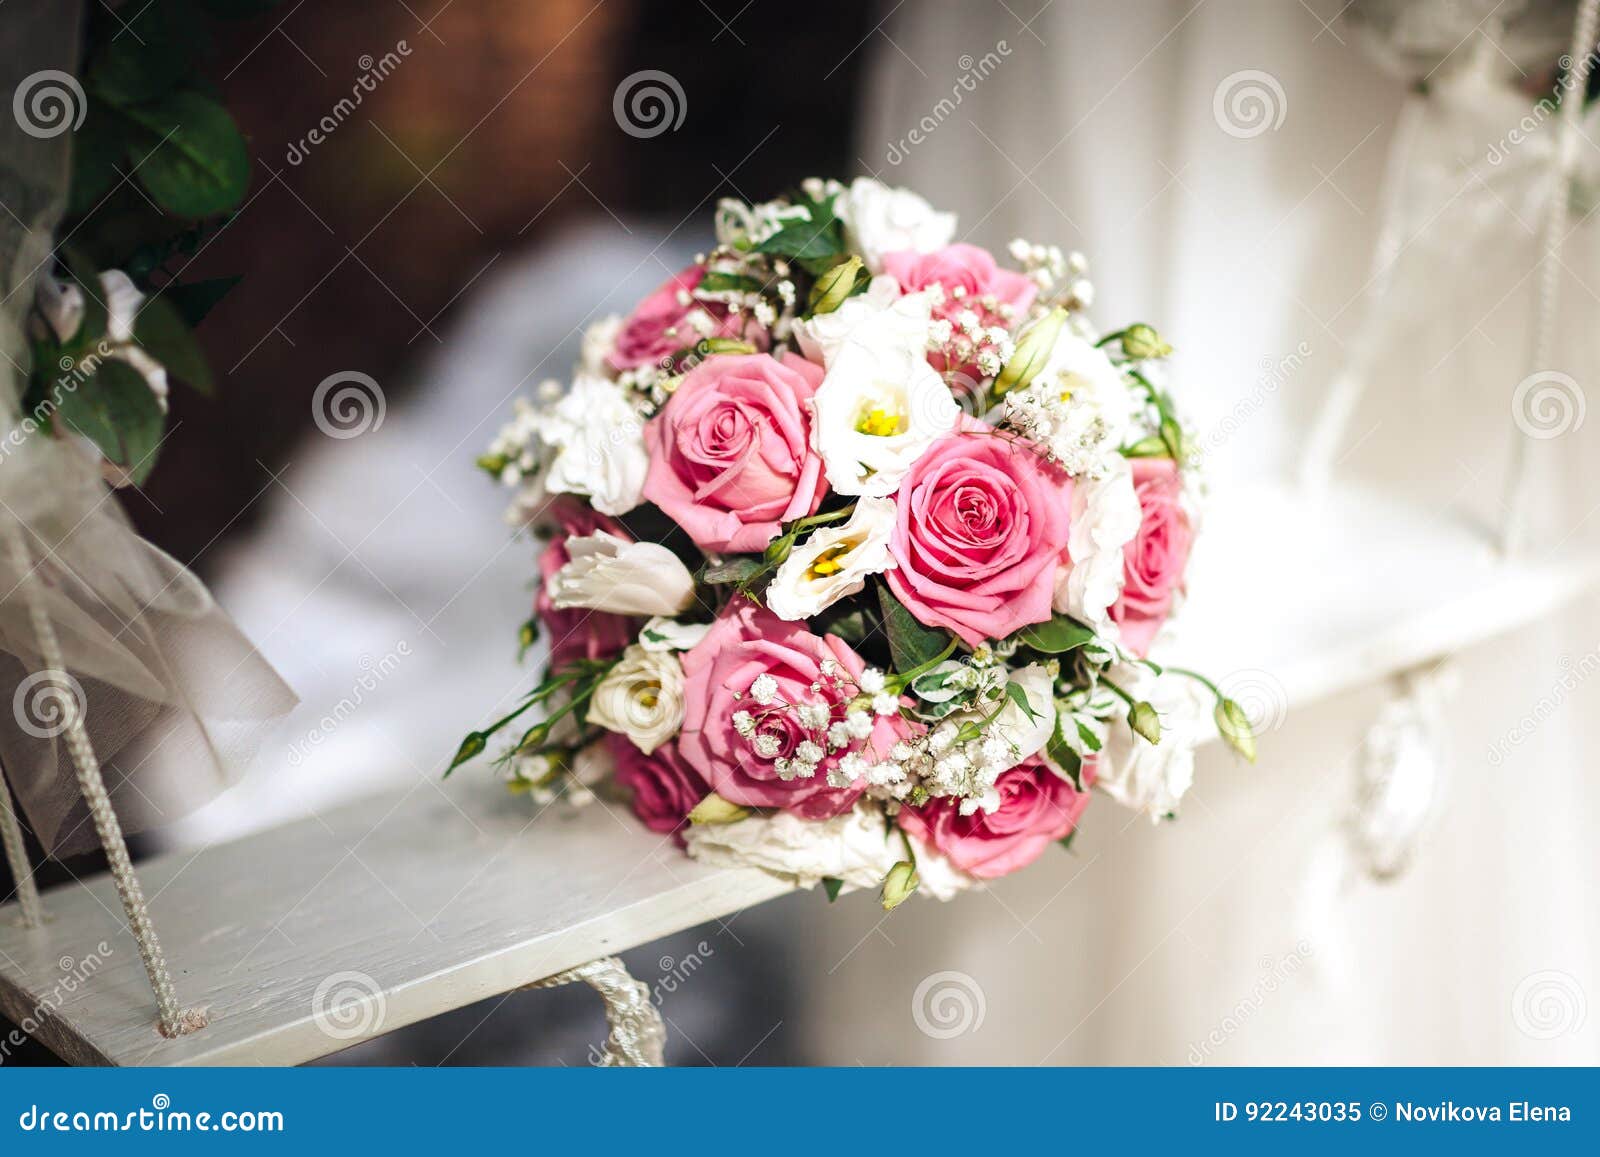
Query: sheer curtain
[1221, 166]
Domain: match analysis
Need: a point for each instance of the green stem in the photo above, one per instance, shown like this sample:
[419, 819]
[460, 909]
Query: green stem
[917, 672]
[1118, 691]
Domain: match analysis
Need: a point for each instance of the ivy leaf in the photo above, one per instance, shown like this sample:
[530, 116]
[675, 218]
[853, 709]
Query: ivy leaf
[832, 885]
[192, 159]
[1061, 753]
[115, 410]
[1056, 635]
[911, 645]
[161, 330]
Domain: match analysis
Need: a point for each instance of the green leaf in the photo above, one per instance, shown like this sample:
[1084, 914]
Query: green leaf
[1086, 733]
[1235, 727]
[141, 64]
[192, 160]
[831, 885]
[1066, 840]
[815, 240]
[97, 146]
[1063, 755]
[161, 330]
[718, 281]
[1055, 636]
[238, 9]
[117, 412]
[911, 644]
[739, 569]
[1017, 695]
[196, 299]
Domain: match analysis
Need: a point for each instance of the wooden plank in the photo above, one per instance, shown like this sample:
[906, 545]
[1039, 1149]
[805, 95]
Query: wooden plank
[418, 903]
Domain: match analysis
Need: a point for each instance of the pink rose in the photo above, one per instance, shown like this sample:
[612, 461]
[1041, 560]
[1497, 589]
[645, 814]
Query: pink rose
[748, 641]
[1037, 807]
[980, 525]
[578, 633]
[970, 280]
[730, 453]
[1153, 563]
[663, 785]
[658, 328]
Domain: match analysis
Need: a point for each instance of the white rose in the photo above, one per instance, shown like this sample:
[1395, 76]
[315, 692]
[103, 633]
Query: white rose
[605, 573]
[597, 439]
[877, 411]
[1105, 518]
[880, 315]
[641, 697]
[879, 219]
[1153, 777]
[854, 847]
[833, 562]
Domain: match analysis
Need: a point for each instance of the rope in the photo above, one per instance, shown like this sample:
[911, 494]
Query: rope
[1557, 217]
[17, 859]
[637, 1035]
[174, 1022]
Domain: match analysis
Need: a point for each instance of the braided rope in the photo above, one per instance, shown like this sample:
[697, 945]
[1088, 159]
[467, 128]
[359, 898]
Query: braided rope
[17, 859]
[174, 1022]
[637, 1037]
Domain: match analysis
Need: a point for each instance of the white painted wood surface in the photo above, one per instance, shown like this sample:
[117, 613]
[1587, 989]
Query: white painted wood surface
[432, 899]
[439, 897]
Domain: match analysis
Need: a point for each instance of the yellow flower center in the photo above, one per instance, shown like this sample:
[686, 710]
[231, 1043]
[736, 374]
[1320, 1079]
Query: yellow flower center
[829, 562]
[879, 421]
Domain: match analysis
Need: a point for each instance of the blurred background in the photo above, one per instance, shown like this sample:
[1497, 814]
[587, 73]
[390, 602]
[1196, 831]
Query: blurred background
[451, 237]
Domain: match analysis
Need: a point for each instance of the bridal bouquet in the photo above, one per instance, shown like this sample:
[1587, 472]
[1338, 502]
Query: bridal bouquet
[858, 542]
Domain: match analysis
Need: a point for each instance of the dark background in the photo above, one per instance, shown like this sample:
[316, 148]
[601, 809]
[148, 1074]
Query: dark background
[493, 134]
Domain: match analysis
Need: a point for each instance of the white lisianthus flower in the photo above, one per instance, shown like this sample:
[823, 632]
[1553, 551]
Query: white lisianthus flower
[664, 634]
[596, 443]
[598, 341]
[1105, 518]
[853, 847]
[1079, 406]
[881, 315]
[1153, 777]
[641, 698]
[877, 411]
[879, 219]
[624, 578]
[833, 562]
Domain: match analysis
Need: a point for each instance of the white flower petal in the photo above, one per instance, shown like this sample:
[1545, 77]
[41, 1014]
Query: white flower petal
[625, 578]
[833, 562]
